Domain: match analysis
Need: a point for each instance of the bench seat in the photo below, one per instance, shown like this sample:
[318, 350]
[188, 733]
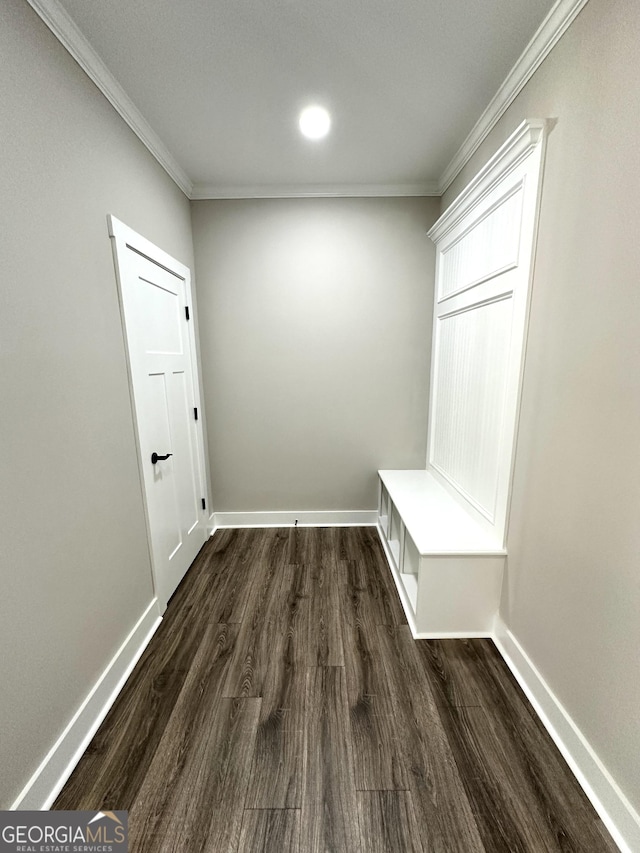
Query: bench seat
[447, 566]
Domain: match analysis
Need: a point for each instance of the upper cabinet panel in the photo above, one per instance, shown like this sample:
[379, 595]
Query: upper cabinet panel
[488, 247]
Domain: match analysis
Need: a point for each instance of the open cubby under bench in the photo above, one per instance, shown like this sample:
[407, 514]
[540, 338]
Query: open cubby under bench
[447, 567]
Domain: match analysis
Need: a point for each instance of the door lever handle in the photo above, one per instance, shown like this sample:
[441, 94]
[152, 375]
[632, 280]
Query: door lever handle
[155, 458]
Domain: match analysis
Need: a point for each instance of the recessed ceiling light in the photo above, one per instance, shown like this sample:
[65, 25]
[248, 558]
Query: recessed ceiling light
[314, 122]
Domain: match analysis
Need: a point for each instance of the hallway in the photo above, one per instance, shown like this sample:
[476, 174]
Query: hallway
[283, 705]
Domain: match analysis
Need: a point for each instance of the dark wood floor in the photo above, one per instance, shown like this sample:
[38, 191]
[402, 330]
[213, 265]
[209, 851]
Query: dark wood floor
[283, 706]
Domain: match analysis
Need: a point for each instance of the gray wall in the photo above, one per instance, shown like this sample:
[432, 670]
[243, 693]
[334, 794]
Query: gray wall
[74, 558]
[315, 334]
[573, 584]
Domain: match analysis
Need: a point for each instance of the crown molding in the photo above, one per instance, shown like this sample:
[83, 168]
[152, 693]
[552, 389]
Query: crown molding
[214, 191]
[529, 134]
[562, 14]
[69, 35]
[67, 32]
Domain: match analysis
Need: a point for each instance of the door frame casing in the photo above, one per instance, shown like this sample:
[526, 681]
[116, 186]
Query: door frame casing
[123, 239]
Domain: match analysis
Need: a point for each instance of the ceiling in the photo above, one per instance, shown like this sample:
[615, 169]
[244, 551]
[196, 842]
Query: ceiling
[221, 83]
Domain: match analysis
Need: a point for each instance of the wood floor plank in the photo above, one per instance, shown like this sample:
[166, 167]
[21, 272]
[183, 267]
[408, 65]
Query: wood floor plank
[193, 794]
[230, 573]
[259, 629]
[329, 806]
[277, 768]
[324, 645]
[456, 670]
[445, 818]
[270, 831]
[324, 620]
[340, 543]
[378, 757]
[509, 780]
[227, 595]
[304, 545]
[509, 817]
[196, 802]
[363, 546]
[284, 684]
[366, 676]
[471, 673]
[388, 822]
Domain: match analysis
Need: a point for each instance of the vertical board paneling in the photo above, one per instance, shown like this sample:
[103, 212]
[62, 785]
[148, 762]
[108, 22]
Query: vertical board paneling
[487, 248]
[471, 382]
[485, 242]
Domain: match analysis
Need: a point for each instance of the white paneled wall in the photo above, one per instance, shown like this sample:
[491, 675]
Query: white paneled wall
[483, 269]
[444, 527]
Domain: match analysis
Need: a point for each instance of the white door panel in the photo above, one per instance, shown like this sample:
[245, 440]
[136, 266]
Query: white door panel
[154, 292]
[159, 478]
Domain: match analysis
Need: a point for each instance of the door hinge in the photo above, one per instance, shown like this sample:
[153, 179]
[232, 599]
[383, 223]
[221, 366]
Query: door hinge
[186, 311]
[204, 505]
[195, 412]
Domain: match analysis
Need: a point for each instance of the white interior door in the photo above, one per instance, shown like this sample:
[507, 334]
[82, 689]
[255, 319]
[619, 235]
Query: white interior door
[157, 313]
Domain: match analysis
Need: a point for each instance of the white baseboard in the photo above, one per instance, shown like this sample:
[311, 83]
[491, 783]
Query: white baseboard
[48, 780]
[615, 811]
[305, 518]
[452, 635]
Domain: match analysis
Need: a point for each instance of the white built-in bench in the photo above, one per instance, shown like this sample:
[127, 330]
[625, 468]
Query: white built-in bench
[447, 567]
[444, 527]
